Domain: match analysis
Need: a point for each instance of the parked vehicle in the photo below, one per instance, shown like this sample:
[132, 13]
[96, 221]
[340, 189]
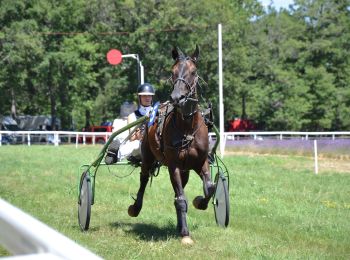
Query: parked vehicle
[99, 139]
[39, 123]
[7, 123]
[240, 125]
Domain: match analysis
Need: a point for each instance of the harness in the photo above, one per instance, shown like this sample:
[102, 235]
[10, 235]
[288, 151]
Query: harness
[186, 104]
[182, 142]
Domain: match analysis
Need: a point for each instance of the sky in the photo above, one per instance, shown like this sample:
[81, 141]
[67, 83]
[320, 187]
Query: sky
[277, 3]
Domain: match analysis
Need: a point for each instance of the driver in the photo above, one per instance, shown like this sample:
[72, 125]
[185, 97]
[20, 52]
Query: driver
[132, 148]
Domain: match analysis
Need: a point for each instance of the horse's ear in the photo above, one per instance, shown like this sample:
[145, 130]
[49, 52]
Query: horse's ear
[175, 53]
[195, 54]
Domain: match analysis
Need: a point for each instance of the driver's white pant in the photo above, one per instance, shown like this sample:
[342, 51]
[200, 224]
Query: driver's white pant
[130, 148]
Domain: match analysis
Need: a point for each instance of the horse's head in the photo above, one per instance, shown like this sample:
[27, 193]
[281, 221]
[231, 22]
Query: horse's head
[184, 79]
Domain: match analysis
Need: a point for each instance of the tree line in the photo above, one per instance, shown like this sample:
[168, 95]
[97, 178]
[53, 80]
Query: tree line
[285, 70]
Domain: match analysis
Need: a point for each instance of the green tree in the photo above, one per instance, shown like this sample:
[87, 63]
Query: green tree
[286, 70]
[20, 51]
[327, 53]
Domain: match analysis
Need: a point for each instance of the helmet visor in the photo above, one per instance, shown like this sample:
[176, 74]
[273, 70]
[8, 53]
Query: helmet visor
[146, 94]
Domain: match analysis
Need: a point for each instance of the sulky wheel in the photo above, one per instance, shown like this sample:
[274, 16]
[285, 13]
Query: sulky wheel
[84, 201]
[222, 201]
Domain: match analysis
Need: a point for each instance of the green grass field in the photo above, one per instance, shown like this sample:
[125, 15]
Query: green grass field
[279, 208]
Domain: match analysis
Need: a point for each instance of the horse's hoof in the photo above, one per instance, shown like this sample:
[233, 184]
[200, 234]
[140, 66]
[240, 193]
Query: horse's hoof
[187, 241]
[199, 203]
[132, 211]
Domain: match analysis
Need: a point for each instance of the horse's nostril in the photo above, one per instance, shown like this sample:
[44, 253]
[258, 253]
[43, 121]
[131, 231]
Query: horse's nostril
[174, 98]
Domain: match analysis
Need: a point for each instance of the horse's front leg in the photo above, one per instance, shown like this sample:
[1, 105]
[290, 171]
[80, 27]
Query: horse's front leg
[179, 180]
[201, 202]
[135, 208]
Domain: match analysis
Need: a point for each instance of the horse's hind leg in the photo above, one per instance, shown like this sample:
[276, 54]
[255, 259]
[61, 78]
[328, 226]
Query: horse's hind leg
[146, 166]
[201, 202]
[135, 208]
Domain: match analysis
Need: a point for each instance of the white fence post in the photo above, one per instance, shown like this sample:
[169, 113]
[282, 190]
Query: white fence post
[76, 140]
[55, 139]
[315, 155]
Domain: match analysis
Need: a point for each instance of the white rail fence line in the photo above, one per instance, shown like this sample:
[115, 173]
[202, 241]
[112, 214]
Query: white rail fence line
[81, 137]
[23, 235]
[284, 134]
[72, 137]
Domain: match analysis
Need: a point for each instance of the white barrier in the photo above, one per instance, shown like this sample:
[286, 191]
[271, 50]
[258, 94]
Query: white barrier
[283, 134]
[58, 135]
[22, 234]
[26, 137]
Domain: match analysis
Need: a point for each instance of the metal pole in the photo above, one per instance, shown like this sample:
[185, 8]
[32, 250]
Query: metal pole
[142, 73]
[140, 70]
[221, 103]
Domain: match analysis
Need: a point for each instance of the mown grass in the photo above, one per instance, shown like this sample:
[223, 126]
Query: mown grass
[279, 208]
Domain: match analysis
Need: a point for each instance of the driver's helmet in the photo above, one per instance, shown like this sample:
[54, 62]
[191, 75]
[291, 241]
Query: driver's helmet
[145, 89]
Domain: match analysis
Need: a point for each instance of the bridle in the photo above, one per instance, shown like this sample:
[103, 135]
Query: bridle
[192, 90]
[188, 103]
[184, 102]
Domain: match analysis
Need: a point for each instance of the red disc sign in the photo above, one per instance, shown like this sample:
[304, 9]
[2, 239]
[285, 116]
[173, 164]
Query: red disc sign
[114, 57]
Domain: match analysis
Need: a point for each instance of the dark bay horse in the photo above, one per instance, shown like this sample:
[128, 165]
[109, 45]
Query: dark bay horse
[180, 142]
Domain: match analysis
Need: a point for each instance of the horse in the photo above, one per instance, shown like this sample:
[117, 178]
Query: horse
[178, 140]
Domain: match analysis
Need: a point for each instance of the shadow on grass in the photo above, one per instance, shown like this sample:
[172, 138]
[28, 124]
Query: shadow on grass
[148, 232]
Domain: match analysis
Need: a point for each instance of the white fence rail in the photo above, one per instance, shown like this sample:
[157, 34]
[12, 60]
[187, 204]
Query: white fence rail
[82, 138]
[23, 235]
[52, 137]
[286, 135]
